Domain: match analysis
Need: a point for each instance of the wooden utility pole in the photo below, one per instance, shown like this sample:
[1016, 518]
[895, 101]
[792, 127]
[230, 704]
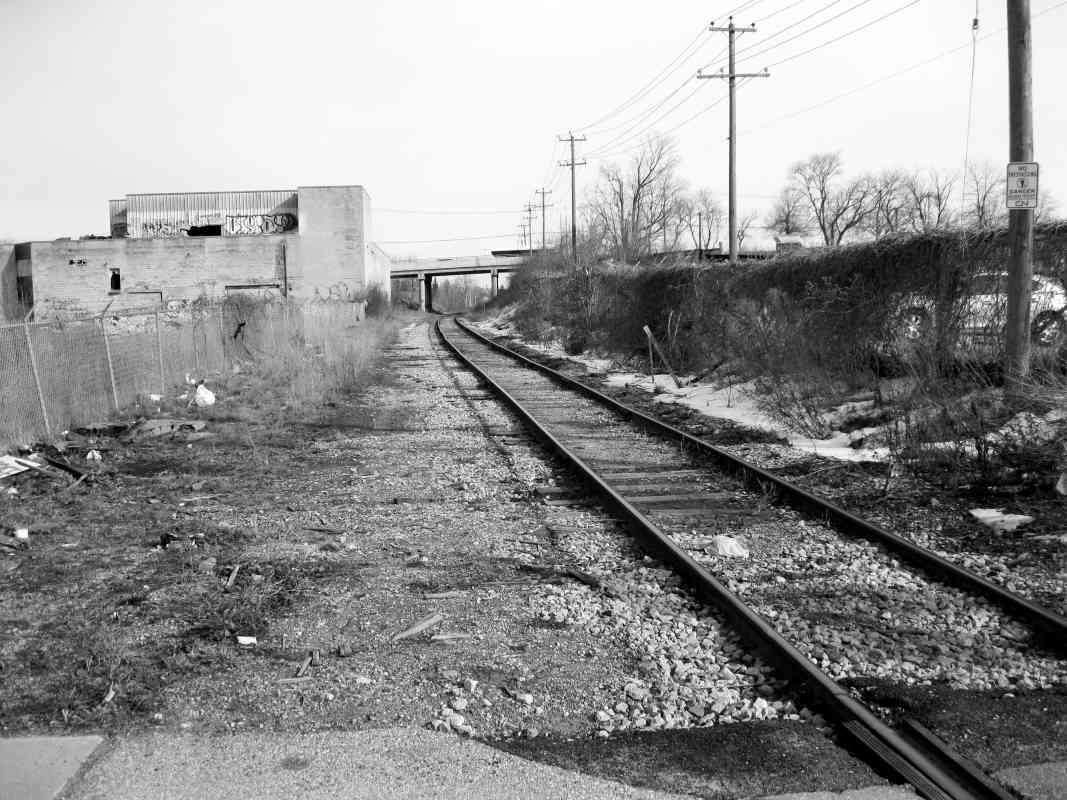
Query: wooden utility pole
[1020, 219]
[529, 208]
[543, 191]
[731, 31]
[574, 203]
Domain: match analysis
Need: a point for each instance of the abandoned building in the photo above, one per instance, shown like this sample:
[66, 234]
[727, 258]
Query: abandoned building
[168, 249]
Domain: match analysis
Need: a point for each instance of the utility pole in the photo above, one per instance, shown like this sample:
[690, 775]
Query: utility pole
[731, 31]
[1021, 217]
[529, 208]
[700, 236]
[574, 203]
[543, 191]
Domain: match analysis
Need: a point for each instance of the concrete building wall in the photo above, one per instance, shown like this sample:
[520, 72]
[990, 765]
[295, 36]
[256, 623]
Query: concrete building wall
[331, 249]
[10, 310]
[74, 277]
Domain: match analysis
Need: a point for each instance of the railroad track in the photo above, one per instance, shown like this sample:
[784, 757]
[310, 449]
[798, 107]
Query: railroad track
[854, 595]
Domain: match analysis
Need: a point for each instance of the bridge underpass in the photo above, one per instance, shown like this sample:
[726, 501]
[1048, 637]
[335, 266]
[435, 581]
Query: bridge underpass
[426, 269]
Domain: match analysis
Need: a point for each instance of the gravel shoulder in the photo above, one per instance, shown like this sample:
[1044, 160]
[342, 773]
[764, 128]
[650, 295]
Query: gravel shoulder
[327, 534]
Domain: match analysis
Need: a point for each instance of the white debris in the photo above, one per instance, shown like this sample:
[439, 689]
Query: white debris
[728, 546]
[246, 641]
[9, 465]
[94, 455]
[1061, 484]
[204, 397]
[155, 398]
[998, 520]
[22, 533]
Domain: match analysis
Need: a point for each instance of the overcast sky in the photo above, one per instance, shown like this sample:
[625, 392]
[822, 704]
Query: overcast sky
[455, 106]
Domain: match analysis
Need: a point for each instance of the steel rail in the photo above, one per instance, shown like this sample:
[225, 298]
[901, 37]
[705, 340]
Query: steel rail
[1043, 620]
[929, 769]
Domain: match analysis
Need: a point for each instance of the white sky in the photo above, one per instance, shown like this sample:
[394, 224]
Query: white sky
[454, 106]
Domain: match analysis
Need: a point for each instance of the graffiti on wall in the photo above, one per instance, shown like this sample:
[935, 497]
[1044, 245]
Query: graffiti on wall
[162, 230]
[252, 224]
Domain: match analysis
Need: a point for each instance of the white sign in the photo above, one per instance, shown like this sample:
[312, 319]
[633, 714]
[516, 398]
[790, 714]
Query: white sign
[1022, 184]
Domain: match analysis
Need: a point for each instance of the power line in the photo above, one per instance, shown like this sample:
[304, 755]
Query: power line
[805, 32]
[781, 31]
[438, 211]
[890, 76]
[684, 55]
[459, 239]
[846, 35]
[761, 20]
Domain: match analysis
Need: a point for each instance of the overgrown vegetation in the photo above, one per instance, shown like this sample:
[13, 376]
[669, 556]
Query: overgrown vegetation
[899, 320]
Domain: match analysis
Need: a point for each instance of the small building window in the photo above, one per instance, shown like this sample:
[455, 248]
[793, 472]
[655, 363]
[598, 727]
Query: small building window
[116, 281]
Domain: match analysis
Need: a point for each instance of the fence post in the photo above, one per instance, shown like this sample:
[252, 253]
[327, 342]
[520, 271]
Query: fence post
[110, 364]
[196, 350]
[222, 337]
[159, 352]
[37, 379]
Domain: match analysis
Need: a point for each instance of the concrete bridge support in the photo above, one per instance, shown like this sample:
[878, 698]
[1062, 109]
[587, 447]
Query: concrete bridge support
[425, 292]
[494, 283]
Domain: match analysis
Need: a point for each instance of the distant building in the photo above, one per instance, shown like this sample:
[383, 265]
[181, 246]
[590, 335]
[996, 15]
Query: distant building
[166, 249]
[787, 244]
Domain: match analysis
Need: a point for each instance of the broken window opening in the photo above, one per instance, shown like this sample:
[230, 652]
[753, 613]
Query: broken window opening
[116, 281]
[205, 230]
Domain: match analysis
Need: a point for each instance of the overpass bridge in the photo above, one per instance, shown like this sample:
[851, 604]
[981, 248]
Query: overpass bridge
[426, 269]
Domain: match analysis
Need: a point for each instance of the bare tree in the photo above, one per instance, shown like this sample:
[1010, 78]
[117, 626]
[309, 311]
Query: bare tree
[790, 214]
[702, 216]
[928, 201]
[743, 224]
[888, 204]
[838, 207]
[984, 205]
[636, 205]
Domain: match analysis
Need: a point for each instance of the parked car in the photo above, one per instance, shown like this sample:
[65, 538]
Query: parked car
[984, 311]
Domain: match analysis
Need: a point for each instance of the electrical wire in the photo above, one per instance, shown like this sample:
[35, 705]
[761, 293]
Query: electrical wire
[739, 55]
[792, 25]
[459, 239]
[779, 11]
[890, 76]
[970, 109]
[472, 213]
[838, 38]
[656, 80]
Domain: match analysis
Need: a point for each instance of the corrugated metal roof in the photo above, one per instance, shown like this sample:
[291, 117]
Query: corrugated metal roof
[150, 216]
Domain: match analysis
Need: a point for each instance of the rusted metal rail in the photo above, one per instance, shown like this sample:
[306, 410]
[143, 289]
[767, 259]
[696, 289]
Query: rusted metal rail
[916, 757]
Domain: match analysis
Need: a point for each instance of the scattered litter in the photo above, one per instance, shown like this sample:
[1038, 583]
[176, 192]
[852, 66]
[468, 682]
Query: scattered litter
[94, 455]
[422, 625]
[324, 529]
[22, 534]
[1061, 484]
[9, 465]
[450, 594]
[11, 490]
[204, 396]
[417, 560]
[301, 671]
[155, 398]
[247, 641]
[344, 650]
[151, 428]
[316, 658]
[728, 546]
[233, 576]
[449, 636]
[998, 520]
[110, 694]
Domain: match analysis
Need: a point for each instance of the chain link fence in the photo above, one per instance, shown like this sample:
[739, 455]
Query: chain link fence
[66, 373]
